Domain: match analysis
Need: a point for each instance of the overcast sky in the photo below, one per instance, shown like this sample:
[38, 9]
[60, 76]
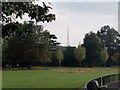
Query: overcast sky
[81, 18]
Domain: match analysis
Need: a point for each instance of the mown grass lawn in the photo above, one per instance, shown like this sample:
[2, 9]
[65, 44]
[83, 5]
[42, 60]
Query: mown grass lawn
[53, 77]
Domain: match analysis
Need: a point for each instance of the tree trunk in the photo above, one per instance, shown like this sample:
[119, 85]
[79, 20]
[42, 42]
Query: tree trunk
[104, 64]
[59, 63]
[80, 66]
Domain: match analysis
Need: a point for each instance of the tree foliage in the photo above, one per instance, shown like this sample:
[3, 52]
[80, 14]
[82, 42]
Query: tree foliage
[59, 56]
[29, 45]
[26, 43]
[104, 55]
[39, 13]
[80, 53]
[8, 30]
[116, 58]
[110, 38]
[69, 58]
[12, 10]
[93, 47]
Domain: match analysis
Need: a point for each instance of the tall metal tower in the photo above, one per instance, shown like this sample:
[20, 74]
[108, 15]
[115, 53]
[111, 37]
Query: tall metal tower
[68, 42]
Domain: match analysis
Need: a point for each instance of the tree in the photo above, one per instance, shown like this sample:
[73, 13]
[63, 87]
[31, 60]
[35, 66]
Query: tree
[104, 55]
[39, 13]
[116, 58]
[111, 39]
[12, 10]
[93, 47]
[29, 45]
[43, 47]
[4, 52]
[80, 53]
[59, 56]
[34, 43]
[69, 58]
[0, 53]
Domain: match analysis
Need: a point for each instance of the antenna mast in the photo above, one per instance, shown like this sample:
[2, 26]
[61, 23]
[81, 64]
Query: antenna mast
[68, 42]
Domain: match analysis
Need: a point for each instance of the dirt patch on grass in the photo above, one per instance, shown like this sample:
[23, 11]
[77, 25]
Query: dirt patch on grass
[78, 70]
[69, 69]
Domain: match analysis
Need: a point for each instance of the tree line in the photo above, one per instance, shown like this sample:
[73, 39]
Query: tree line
[28, 44]
[32, 45]
[98, 49]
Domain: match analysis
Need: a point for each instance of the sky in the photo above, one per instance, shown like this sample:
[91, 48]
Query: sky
[80, 18]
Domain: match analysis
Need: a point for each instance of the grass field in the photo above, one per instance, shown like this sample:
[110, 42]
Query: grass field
[53, 77]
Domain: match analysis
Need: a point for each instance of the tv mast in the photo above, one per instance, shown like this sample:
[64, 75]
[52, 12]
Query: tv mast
[68, 42]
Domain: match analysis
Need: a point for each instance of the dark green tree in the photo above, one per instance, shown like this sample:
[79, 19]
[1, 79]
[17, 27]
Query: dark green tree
[93, 47]
[29, 45]
[69, 58]
[34, 43]
[111, 39]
